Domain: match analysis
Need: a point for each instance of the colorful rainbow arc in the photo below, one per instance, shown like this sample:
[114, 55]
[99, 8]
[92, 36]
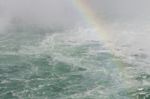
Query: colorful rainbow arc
[94, 21]
[90, 18]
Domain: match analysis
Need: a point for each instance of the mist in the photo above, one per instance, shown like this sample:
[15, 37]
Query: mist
[49, 13]
[126, 10]
[63, 14]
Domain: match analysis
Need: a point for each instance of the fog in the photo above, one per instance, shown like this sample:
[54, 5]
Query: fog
[39, 12]
[63, 13]
[122, 9]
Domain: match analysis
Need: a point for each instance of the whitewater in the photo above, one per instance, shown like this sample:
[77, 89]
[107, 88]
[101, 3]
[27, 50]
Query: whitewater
[37, 63]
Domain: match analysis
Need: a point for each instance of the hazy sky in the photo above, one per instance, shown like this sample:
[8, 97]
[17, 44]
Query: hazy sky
[127, 9]
[63, 12]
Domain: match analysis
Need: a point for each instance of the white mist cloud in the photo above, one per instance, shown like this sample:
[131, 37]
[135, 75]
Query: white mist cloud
[44, 12]
[122, 9]
[62, 12]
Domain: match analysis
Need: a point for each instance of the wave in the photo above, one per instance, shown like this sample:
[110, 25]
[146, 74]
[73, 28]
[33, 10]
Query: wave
[69, 65]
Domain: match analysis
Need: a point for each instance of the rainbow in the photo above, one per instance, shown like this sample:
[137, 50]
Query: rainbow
[95, 22]
[90, 18]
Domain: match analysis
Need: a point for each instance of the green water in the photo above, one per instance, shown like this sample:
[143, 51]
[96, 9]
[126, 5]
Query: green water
[33, 66]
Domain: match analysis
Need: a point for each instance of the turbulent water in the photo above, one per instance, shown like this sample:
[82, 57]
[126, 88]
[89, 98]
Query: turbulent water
[69, 65]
